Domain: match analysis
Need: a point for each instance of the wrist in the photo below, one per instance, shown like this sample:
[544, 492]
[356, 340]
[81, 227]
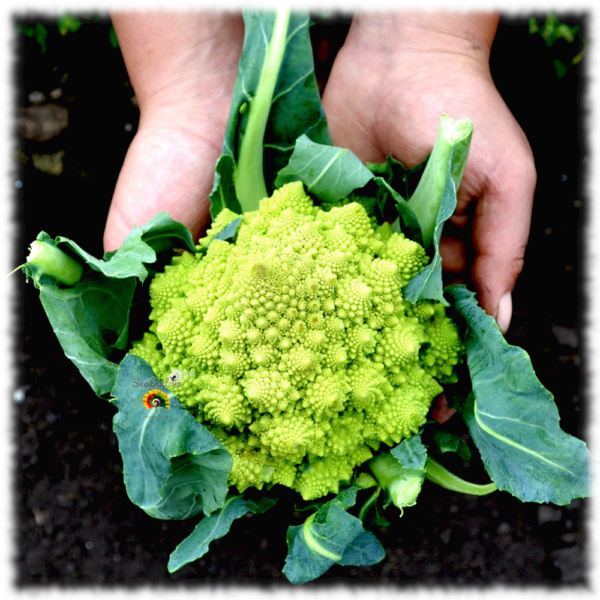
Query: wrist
[180, 61]
[425, 36]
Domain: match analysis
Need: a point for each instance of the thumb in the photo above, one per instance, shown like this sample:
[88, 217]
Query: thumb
[500, 232]
[168, 170]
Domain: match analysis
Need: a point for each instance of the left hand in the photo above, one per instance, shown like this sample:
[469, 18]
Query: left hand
[393, 78]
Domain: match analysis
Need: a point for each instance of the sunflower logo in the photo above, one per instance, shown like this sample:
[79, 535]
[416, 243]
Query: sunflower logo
[156, 399]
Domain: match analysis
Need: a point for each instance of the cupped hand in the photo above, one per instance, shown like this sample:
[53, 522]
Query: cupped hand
[169, 167]
[393, 78]
[182, 67]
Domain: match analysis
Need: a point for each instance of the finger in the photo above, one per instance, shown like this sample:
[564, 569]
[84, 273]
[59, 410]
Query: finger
[500, 232]
[454, 257]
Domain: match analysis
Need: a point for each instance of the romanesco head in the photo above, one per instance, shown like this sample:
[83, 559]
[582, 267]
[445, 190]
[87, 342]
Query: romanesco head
[304, 351]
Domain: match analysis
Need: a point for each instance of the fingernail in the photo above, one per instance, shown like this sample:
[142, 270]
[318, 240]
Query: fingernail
[504, 312]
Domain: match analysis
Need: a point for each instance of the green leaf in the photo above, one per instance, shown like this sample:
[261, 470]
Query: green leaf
[91, 319]
[449, 156]
[87, 319]
[173, 467]
[139, 248]
[263, 126]
[411, 453]
[448, 442]
[427, 284]
[164, 233]
[328, 172]
[112, 37]
[228, 232]
[402, 179]
[330, 536]
[68, 23]
[127, 261]
[561, 68]
[213, 527]
[222, 194]
[410, 221]
[512, 418]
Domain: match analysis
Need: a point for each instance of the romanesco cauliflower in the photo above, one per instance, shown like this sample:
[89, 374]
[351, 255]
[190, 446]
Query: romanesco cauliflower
[305, 354]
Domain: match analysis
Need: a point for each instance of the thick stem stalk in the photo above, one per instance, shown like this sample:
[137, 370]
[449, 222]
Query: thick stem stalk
[250, 184]
[45, 259]
[449, 152]
[440, 475]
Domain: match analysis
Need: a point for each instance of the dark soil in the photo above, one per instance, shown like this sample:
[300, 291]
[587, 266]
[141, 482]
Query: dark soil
[75, 523]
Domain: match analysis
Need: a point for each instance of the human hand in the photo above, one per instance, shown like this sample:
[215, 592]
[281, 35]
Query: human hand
[392, 79]
[182, 68]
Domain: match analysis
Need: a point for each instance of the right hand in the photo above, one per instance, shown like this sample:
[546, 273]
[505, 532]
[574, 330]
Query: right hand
[182, 68]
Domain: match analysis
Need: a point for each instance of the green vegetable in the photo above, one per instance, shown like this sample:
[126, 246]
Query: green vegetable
[402, 484]
[438, 474]
[214, 527]
[401, 474]
[513, 419]
[46, 259]
[303, 336]
[304, 345]
[330, 536]
[449, 155]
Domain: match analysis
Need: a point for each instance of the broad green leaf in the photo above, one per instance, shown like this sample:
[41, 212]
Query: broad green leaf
[127, 261]
[512, 418]
[265, 121]
[427, 284]
[173, 467]
[328, 172]
[89, 319]
[411, 453]
[222, 194]
[162, 233]
[213, 527]
[364, 550]
[139, 248]
[448, 442]
[329, 536]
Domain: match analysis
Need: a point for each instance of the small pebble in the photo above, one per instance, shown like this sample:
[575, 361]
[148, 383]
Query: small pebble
[547, 514]
[19, 394]
[36, 97]
[503, 528]
[89, 545]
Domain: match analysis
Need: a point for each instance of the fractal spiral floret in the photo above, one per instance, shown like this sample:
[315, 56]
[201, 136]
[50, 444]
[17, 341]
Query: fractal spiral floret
[304, 352]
